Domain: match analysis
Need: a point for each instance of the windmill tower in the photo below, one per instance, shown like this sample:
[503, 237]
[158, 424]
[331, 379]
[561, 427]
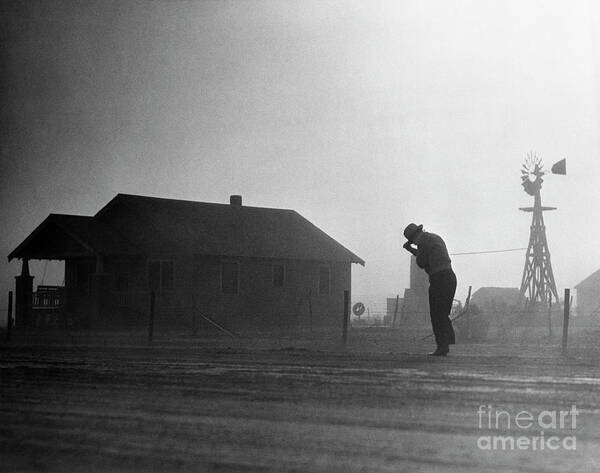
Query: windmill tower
[538, 279]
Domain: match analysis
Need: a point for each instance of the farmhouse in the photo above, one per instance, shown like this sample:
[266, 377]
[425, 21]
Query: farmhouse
[240, 266]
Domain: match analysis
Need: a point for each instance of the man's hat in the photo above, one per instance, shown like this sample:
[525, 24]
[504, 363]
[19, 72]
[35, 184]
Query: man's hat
[411, 230]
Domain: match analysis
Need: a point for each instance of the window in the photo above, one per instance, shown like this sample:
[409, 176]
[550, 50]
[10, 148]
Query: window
[324, 280]
[229, 278]
[160, 276]
[278, 275]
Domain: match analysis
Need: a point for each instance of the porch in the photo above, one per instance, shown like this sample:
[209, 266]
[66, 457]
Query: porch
[63, 307]
[86, 247]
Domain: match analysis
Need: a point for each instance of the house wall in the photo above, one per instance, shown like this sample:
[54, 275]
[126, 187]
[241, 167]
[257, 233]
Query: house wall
[119, 307]
[259, 304]
[197, 289]
[129, 304]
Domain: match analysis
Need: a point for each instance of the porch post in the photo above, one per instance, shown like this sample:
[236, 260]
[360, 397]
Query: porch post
[100, 295]
[23, 296]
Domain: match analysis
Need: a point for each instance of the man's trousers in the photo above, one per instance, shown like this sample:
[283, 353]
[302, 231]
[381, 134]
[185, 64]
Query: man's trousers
[442, 287]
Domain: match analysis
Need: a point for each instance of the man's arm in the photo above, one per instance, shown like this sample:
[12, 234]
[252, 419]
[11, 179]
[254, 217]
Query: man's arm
[408, 247]
[423, 255]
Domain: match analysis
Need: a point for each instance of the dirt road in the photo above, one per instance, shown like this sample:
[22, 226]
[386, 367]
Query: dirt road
[248, 409]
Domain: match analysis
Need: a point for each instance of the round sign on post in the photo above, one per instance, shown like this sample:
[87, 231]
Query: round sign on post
[358, 309]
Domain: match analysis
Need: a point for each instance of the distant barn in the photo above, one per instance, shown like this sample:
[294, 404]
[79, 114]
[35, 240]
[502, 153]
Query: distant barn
[244, 267]
[588, 296]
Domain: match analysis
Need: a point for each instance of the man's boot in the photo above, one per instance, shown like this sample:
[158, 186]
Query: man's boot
[441, 340]
[439, 351]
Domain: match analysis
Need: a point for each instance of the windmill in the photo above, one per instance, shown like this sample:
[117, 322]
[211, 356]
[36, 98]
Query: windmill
[538, 280]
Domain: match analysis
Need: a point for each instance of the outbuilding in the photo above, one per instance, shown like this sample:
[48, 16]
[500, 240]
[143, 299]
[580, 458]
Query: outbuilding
[588, 296]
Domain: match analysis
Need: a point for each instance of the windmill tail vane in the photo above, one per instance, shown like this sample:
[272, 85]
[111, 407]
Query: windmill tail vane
[560, 167]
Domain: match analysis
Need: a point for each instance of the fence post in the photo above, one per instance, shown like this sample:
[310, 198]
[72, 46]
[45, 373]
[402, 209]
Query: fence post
[151, 319]
[345, 324]
[565, 334]
[9, 320]
[468, 313]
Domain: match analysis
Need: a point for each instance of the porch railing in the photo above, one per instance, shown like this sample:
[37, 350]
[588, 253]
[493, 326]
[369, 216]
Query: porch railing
[47, 298]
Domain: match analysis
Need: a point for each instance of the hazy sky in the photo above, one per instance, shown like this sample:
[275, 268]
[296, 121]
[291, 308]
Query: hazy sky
[362, 116]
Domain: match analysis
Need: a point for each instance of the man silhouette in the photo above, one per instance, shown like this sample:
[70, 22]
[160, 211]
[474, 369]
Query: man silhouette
[432, 256]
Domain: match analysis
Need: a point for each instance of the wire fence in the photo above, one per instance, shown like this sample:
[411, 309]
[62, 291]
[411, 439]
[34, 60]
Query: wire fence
[186, 317]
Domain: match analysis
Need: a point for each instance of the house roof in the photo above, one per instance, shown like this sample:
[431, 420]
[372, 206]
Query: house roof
[201, 228]
[72, 234]
[593, 278]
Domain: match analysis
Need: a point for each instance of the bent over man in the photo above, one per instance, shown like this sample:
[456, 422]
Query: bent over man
[432, 256]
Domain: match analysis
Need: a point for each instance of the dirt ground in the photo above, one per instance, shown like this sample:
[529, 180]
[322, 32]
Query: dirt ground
[292, 404]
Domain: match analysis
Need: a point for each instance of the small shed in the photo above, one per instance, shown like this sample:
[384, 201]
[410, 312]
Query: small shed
[495, 297]
[588, 295]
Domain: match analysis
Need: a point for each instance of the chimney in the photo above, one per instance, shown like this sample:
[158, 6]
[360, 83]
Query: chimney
[235, 200]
